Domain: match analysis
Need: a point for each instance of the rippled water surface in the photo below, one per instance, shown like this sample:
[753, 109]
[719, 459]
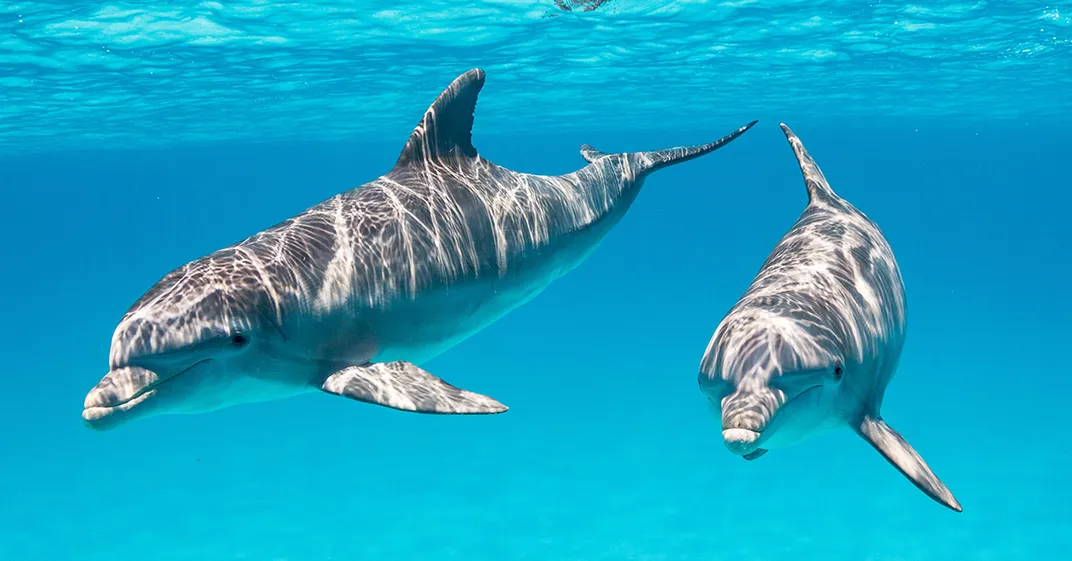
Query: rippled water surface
[132, 73]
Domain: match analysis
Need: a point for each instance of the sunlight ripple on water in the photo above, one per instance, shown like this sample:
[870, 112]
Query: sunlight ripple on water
[193, 72]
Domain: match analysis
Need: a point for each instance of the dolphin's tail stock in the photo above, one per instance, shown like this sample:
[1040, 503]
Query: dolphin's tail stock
[652, 161]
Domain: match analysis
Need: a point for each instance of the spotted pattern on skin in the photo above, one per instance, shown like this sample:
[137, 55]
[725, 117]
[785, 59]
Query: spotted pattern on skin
[442, 218]
[829, 292]
[830, 295]
[406, 387]
[207, 299]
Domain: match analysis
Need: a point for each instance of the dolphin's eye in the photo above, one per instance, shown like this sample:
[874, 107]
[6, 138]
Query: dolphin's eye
[838, 372]
[239, 341]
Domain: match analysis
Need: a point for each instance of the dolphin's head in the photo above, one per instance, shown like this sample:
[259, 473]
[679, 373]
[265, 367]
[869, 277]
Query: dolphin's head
[770, 382]
[179, 347]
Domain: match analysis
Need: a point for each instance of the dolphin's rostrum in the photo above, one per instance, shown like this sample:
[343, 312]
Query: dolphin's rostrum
[351, 295]
[816, 338]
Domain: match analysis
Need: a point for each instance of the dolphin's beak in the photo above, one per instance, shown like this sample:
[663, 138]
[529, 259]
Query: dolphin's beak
[752, 419]
[112, 400]
[746, 415]
[741, 441]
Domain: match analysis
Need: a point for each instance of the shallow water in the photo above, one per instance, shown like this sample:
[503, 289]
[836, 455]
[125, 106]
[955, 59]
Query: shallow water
[946, 130]
[134, 74]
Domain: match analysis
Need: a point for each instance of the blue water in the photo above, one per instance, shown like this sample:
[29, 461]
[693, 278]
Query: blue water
[136, 137]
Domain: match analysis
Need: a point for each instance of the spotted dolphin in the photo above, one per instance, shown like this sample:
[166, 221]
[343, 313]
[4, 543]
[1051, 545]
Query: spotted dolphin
[350, 296]
[816, 338]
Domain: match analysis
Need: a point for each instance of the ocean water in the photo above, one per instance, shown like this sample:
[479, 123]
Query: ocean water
[135, 137]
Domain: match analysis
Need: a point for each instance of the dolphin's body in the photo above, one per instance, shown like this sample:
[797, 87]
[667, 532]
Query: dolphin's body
[816, 338]
[350, 295]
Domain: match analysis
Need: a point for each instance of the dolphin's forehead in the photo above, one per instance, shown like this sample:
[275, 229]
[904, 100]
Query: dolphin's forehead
[759, 344]
[225, 283]
[207, 298]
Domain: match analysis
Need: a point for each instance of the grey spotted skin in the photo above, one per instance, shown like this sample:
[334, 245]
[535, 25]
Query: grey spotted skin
[813, 343]
[348, 297]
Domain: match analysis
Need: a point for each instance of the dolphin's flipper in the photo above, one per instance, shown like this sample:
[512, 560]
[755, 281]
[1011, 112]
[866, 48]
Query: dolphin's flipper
[755, 455]
[901, 454]
[404, 386]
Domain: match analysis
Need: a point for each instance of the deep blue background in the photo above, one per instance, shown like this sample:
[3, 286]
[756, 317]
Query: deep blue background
[607, 451]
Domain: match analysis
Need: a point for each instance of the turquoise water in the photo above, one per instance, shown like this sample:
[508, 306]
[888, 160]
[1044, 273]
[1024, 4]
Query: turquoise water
[134, 139]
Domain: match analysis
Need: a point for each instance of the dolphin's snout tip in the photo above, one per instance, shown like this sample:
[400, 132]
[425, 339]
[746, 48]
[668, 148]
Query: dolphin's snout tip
[102, 418]
[91, 417]
[112, 401]
[96, 415]
[741, 441]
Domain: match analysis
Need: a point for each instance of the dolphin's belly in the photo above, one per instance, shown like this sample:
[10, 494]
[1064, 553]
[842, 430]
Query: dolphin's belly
[420, 328]
[225, 389]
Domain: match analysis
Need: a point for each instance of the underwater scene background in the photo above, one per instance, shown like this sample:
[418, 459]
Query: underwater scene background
[135, 137]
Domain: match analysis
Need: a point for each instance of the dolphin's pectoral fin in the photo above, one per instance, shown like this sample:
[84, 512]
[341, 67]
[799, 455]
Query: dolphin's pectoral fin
[404, 386]
[901, 454]
[591, 154]
[755, 454]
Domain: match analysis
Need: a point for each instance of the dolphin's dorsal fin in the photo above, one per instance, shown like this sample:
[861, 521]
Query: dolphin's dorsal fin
[818, 188]
[446, 131]
[591, 154]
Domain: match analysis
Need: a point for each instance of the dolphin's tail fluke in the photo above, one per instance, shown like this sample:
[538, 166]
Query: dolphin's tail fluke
[652, 161]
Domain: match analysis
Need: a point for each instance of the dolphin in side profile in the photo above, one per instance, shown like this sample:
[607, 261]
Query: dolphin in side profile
[350, 296]
[816, 338]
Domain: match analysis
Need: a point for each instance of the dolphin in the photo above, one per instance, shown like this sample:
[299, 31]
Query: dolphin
[351, 295]
[812, 344]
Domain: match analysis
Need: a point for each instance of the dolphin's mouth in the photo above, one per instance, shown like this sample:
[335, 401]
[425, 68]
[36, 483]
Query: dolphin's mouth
[120, 391]
[95, 416]
[746, 438]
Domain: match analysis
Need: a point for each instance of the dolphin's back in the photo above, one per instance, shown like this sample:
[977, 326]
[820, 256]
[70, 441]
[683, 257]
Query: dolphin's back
[834, 273]
[420, 229]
